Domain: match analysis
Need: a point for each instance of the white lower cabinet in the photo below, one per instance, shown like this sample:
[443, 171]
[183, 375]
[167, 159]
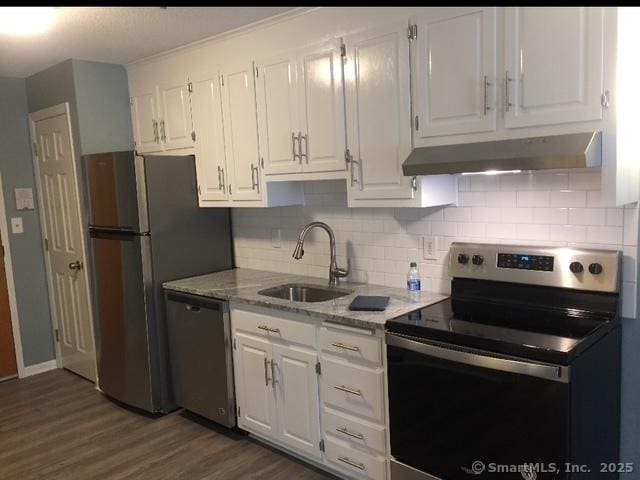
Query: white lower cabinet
[304, 386]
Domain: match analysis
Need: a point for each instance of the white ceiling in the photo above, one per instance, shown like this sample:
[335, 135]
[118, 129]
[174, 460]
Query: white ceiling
[119, 34]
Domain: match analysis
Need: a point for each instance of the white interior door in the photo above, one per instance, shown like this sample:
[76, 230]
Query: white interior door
[378, 112]
[277, 101]
[256, 397]
[69, 286]
[241, 132]
[296, 385]
[144, 116]
[554, 60]
[322, 108]
[175, 126]
[454, 58]
[206, 105]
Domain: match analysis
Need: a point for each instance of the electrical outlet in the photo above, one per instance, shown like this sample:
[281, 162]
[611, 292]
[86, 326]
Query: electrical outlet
[429, 247]
[275, 238]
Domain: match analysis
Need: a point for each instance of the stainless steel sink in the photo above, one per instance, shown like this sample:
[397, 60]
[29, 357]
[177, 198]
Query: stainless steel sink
[299, 292]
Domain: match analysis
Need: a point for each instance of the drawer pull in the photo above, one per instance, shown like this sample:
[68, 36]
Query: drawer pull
[352, 463]
[346, 347]
[348, 390]
[269, 329]
[344, 430]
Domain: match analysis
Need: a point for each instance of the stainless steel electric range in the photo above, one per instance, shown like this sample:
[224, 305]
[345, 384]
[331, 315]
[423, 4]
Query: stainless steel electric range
[516, 375]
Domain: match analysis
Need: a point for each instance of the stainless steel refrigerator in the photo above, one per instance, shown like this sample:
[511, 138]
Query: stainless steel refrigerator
[145, 228]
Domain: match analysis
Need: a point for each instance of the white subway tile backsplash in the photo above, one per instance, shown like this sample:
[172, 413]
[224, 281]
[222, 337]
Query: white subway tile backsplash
[547, 209]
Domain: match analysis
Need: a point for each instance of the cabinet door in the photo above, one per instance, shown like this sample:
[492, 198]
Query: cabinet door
[241, 132]
[206, 104]
[322, 108]
[255, 393]
[554, 59]
[277, 101]
[378, 112]
[176, 126]
[454, 59]
[296, 385]
[145, 118]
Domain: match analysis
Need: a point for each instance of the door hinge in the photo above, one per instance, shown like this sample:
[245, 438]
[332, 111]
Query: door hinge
[199, 190]
[604, 99]
[414, 183]
[318, 368]
[190, 87]
[131, 101]
[235, 345]
[257, 72]
[343, 50]
[413, 32]
[193, 136]
[222, 80]
[57, 335]
[321, 445]
[417, 122]
[238, 410]
[347, 156]
[262, 162]
[35, 150]
[46, 244]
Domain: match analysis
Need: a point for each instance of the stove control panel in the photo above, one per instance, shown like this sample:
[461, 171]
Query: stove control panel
[582, 269]
[525, 261]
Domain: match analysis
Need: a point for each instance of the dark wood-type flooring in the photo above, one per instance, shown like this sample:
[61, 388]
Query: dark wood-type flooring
[56, 426]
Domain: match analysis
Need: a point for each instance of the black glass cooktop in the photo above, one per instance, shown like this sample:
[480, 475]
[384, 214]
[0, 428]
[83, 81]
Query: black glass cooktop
[513, 322]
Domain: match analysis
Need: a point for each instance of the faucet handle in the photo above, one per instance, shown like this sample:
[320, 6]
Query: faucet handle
[340, 272]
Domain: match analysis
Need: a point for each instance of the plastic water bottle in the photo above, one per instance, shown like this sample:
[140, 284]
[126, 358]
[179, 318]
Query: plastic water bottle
[413, 282]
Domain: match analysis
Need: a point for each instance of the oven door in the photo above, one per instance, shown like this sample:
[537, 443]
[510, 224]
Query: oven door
[450, 407]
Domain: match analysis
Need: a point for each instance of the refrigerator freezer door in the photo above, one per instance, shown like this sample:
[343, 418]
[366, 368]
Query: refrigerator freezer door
[121, 291]
[116, 191]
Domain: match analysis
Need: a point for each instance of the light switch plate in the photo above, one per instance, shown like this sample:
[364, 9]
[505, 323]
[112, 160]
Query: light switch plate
[16, 225]
[24, 198]
[275, 238]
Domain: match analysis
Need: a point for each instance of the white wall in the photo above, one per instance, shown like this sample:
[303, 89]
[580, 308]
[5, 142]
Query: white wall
[563, 209]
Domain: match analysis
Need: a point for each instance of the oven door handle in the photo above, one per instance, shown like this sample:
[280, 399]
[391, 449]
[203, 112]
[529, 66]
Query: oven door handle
[549, 372]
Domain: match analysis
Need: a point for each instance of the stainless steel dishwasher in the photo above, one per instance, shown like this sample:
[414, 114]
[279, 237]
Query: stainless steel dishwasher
[200, 347]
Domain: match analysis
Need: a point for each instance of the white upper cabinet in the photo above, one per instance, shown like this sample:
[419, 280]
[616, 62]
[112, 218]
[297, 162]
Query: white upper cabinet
[322, 137]
[278, 116]
[241, 132]
[176, 128]
[454, 59]
[144, 116]
[209, 145]
[553, 65]
[378, 113]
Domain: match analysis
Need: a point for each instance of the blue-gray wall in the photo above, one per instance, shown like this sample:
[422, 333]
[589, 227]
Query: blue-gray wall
[26, 248]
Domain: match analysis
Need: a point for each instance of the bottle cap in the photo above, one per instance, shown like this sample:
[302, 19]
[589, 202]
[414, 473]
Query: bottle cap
[413, 264]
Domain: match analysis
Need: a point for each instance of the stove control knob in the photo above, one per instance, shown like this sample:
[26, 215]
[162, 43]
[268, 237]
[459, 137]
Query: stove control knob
[595, 269]
[463, 258]
[477, 259]
[576, 267]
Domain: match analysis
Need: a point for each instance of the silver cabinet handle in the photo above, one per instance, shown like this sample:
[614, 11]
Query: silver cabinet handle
[487, 84]
[229, 189]
[299, 139]
[507, 101]
[273, 373]
[293, 147]
[345, 346]
[220, 181]
[269, 329]
[255, 180]
[77, 265]
[348, 461]
[156, 138]
[164, 134]
[306, 148]
[348, 390]
[266, 372]
[344, 431]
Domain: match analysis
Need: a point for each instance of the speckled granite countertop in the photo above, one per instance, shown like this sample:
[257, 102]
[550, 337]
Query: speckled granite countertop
[242, 285]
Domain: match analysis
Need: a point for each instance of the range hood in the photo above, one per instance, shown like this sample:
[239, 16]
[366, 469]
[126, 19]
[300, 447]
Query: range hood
[575, 150]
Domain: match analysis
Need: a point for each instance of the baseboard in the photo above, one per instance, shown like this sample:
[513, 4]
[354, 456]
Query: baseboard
[39, 368]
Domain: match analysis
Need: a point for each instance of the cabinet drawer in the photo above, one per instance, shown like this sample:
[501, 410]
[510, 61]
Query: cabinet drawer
[354, 431]
[351, 345]
[357, 463]
[355, 389]
[274, 328]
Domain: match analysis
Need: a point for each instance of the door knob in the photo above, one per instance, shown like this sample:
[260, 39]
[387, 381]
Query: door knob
[77, 265]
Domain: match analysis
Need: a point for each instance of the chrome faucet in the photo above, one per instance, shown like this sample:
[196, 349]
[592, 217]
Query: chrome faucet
[335, 272]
